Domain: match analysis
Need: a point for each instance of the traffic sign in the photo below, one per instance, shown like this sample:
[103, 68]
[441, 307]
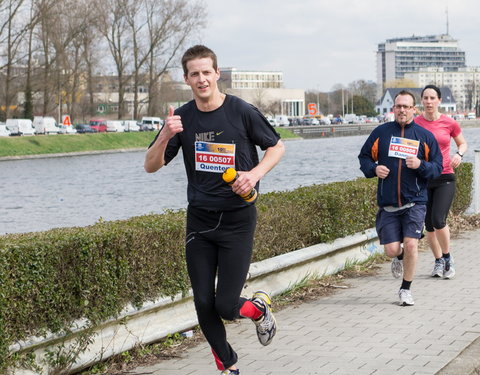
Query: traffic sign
[312, 109]
[66, 120]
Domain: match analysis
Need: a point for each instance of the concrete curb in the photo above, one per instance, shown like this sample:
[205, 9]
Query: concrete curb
[466, 363]
[165, 316]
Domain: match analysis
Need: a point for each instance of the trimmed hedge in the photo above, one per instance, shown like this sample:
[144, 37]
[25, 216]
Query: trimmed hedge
[50, 279]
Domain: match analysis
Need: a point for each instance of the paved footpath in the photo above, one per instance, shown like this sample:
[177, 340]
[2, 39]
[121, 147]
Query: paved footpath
[362, 330]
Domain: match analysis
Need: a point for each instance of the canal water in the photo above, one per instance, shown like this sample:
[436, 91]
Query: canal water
[40, 194]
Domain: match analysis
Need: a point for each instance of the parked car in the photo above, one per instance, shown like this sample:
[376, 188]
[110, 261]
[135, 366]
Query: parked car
[151, 123]
[4, 132]
[296, 121]
[325, 121]
[20, 126]
[272, 121]
[115, 126]
[471, 116]
[351, 118]
[130, 126]
[64, 129]
[337, 120]
[99, 124]
[85, 128]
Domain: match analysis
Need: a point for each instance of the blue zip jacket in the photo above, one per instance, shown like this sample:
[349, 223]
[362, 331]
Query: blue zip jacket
[402, 185]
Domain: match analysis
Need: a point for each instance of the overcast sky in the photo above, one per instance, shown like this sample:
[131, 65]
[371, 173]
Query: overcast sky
[320, 43]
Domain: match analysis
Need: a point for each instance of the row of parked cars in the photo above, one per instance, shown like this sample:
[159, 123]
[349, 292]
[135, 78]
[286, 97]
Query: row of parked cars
[100, 125]
[48, 125]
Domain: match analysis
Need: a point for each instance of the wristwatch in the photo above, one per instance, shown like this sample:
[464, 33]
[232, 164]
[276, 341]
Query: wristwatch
[459, 153]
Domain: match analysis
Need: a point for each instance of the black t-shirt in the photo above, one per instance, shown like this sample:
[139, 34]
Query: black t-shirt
[213, 141]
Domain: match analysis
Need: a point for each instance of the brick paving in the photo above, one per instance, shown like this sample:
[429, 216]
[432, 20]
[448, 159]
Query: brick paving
[361, 330]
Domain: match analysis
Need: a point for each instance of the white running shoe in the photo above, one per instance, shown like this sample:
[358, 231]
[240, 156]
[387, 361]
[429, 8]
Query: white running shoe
[230, 372]
[449, 270]
[406, 298]
[397, 267]
[266, 325]
[438, 268]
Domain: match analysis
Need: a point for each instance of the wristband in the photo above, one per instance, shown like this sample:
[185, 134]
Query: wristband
[460, 154]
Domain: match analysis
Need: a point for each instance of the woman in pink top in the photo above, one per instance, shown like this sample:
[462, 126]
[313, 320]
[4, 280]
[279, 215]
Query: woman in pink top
[442, 189]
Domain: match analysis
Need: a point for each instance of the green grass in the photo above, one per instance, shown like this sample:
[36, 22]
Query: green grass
[286, 133]
[55, 144]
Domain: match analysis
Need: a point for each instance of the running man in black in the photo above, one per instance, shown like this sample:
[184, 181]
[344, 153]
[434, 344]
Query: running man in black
[218, 131]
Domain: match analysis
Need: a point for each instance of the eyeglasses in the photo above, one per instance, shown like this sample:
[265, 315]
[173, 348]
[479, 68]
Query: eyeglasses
[403, 106]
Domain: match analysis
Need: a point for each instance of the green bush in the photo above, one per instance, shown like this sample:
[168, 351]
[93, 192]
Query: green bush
[50, 279]
[463, 193]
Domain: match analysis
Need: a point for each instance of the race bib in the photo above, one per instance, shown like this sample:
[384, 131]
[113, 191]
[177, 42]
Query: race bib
[403, 147]
[214, 157]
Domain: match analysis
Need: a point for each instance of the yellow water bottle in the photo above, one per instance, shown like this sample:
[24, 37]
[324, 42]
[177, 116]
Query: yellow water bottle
[230, 175]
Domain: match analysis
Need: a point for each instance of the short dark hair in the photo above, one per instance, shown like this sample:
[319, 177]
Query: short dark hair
[435, 88]
[405, 92]
[198, 52]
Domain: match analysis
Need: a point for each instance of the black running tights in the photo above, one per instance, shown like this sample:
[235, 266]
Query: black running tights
[219, 244]
[441, 192]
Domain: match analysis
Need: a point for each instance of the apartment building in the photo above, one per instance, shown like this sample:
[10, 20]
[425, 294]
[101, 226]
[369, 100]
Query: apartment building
[398, 56]
[464, 83]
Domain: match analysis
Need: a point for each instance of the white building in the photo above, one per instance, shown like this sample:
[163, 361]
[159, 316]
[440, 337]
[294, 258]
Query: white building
[385, 104]
[464, 83]
[398, 56]
[251, 79]
[263, 89]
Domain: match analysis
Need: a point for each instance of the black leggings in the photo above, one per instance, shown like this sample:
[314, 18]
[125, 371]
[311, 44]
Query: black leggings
[219, 244]
[441, 192]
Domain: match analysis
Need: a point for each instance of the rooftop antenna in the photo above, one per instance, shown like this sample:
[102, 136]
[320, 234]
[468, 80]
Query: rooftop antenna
[446, 11]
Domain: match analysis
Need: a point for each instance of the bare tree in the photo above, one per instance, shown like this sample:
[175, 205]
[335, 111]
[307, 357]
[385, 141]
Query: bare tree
[114, 27]
[80, 23]
[274, 107]
[12, 31]
[90, 42]
[170, 25]
[260, 101]
[471, 95]
[45, 10]
[367, 89]
[137, 21]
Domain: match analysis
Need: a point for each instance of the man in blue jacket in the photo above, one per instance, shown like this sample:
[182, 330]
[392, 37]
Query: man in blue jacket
[403, 156]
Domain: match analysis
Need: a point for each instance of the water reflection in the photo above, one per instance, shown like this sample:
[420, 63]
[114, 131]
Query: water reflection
[40, 194]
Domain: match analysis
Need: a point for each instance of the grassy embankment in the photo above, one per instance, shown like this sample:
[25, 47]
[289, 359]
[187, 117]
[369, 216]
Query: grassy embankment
[54, 144]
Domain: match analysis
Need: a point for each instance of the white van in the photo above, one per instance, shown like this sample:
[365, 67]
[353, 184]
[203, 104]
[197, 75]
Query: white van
[351, 118]
[45, 125]
[471, 116]
[20, 126]
[282, 120]
[4, 132]
[151, 123]
[115, 126]
[130, 126]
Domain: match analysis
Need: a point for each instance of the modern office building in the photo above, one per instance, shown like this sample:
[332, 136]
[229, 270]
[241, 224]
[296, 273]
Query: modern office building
[464, 83]
[264, 89]
[398, 56]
